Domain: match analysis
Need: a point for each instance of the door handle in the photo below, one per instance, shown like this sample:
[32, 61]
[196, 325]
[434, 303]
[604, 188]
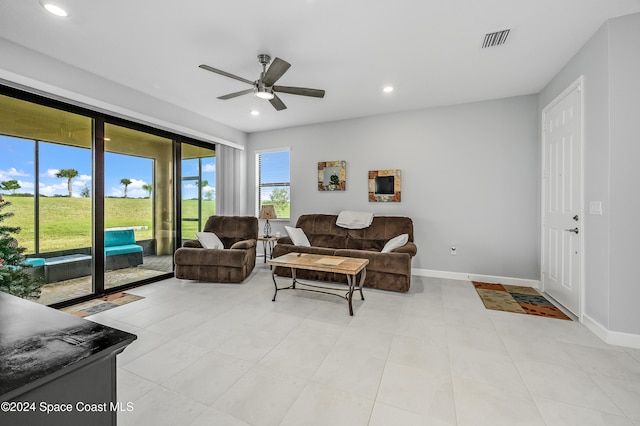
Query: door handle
[574, 230]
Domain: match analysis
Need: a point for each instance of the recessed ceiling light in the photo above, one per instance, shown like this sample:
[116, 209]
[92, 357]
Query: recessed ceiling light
[255, 112]
[387, 89]
[55, 9]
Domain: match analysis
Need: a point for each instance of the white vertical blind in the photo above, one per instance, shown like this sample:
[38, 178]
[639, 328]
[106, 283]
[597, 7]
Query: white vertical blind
[230, 180]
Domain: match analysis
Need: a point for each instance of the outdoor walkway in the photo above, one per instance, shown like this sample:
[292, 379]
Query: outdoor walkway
[64, 290]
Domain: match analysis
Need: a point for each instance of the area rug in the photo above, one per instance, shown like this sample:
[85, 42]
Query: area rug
[101, 304]
[517, 299]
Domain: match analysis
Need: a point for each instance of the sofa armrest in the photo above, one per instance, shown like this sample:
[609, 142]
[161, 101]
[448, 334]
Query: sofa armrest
[284, 240]
[192, 244]
[244, 244]
[409, 248]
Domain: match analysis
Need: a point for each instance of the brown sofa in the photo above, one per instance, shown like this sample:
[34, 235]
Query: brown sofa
[386, 271]
[232, 264]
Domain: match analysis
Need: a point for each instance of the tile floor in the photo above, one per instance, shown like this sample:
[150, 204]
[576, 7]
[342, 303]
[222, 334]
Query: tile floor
[225, 354]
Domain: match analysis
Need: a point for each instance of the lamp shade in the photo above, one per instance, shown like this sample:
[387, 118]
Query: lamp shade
[267, 212]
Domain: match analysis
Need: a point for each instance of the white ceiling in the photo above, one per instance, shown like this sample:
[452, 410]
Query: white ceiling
[429, 50]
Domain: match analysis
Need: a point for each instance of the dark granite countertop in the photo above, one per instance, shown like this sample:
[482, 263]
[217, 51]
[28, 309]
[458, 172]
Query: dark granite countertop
[38, 344]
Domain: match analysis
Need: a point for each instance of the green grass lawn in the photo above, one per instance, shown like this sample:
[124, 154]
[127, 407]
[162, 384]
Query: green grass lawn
[66, 223]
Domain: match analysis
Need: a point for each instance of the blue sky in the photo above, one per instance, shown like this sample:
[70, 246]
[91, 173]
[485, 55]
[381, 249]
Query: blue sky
[190, 168]
[17, 162]
[275, 168]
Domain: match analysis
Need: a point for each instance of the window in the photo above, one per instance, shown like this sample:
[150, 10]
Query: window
[198, 188]
[273, 181]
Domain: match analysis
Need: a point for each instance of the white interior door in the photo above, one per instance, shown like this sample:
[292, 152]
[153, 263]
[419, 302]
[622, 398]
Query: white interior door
[562, 211]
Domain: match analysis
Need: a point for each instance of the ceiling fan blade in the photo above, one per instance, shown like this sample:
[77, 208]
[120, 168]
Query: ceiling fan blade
[277, 68]
[277, 103]
[235, 94]
[226, 74]
[303, 91]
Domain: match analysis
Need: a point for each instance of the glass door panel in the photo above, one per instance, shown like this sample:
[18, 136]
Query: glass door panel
[198, 188]
[46, 166]
[138, 218]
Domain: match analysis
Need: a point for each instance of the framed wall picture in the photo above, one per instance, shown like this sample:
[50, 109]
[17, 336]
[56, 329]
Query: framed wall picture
[385, 186]
[332, 175]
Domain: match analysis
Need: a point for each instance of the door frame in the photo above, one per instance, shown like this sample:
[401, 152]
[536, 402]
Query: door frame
[578, 84]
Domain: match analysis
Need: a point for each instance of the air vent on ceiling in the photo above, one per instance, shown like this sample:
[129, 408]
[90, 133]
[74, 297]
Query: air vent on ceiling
[495, 39]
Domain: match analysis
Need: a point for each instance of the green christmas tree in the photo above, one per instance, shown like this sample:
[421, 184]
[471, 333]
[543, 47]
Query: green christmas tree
[14, 276]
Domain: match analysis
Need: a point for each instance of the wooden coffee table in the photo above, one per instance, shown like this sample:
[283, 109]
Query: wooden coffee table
[349, 266]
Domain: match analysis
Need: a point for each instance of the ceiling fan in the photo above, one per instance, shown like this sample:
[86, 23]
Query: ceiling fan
[264, 87]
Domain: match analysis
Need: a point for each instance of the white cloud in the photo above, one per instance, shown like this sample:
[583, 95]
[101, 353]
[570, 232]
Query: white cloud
[51, 172]
[26, 185]
[81, 180]
[137, 193]
[50, 190]
[190, 186]
[209, 167]
[116, 192]
[136, 184]
[11, 173]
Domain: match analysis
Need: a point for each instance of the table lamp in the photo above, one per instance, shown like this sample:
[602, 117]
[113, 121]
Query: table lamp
[267, 212]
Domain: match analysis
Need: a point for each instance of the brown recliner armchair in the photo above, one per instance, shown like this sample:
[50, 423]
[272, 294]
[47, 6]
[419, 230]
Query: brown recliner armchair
[232, 264]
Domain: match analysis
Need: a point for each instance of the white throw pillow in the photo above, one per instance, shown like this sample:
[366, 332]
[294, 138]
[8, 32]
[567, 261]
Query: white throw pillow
[209, 240]
[297, 236]
[395, 242]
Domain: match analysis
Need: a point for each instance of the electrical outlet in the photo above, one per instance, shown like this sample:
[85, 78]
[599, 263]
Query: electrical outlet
[453, 251]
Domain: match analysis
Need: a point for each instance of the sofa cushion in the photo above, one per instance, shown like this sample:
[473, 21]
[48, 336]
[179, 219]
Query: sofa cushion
[118, 237]
[382, 229]
[34, 261]
[122, 249]
[322, 231]
[231, 229]
[211, 258]
[395, 242]
[209, 240]
[297, 236]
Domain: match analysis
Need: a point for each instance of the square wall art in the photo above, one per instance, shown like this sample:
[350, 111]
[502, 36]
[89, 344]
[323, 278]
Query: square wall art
[332, 176]
[385, 186]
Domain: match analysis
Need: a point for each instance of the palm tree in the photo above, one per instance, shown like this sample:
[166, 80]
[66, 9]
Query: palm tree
[68, 174]
[148, 187]
[10, 185]
[126, 182]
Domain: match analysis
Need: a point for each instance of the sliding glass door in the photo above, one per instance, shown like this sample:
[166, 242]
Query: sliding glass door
[198, 188]
[95, 196]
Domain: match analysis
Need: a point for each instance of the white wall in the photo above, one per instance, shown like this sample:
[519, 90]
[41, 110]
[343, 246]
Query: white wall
[624, 34]
[611, 65]
[41, 74]
[470, 177]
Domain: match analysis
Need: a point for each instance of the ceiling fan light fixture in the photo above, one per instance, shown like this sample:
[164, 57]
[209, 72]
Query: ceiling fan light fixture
[264, 94]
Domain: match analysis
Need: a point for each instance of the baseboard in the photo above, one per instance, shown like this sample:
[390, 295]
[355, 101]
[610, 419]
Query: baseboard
[476, 277]
[611, 337]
